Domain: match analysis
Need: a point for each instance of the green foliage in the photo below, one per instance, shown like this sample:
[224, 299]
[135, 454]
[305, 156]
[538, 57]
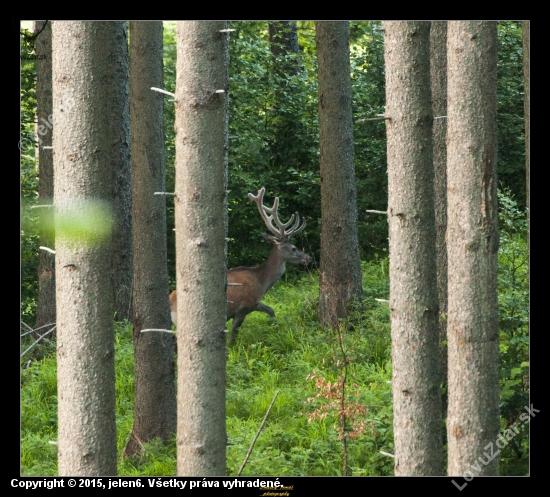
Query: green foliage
[273, 129]
[273, 133]
[29, 181]
[29, 242]
[510, 111]
[513, 281]
[28, 85]
[370, 314]
[169, 62]
[369, 99]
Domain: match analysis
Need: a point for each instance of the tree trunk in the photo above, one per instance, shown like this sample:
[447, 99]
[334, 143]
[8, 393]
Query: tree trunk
[438, 77]
[45, 306]
[87, 88]
[340, 271]
[122, 198]
[202, 85]
[413, 283]
[154, 366]
[472, 245]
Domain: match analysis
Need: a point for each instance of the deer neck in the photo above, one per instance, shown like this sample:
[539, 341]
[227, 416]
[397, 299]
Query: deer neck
[272, 268]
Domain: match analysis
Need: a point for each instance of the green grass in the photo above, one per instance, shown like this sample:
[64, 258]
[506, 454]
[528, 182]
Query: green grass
[269, 355]
[280, 354]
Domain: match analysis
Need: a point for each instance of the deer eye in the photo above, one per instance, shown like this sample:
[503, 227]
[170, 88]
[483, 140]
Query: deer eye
[294, 249]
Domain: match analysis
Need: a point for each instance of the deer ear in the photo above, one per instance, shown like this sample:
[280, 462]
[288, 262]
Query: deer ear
[272, 239]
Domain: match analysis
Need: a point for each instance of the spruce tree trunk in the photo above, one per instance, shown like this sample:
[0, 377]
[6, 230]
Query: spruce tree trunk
[154, 365]
[87, 86]
[122, 195]
[413, 284]
[45, 306]
[340, 271]
[438, 71]
[201, 226]
[472, 245]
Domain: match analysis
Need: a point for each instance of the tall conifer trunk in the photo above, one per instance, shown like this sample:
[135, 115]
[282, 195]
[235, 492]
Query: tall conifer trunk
[472, 245]
[201, 225]
[89, 89]
[340, 272]
[411, 219]
[154, 364]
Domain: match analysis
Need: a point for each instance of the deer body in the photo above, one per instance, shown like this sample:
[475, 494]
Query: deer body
[247, 285]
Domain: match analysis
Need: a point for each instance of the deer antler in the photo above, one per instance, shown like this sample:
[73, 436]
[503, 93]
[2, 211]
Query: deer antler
[270, 215]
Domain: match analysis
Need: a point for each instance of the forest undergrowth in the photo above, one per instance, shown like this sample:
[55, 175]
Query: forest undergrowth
[308, 426]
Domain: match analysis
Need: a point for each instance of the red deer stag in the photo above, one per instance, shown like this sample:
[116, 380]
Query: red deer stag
[251, 283]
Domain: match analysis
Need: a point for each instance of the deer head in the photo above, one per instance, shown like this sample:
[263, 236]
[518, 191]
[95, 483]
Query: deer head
[247, 285]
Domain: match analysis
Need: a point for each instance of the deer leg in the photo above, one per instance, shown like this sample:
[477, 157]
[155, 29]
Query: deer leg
[264, 308]
[237, 321]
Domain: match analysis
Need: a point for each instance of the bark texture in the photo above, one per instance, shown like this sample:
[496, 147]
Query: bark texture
[87, 82]
[45, 306]
[472, 244]
[154, 364]
[201, 227]
[413, 285]
[438, 77]
[340, 271]
[119, 122]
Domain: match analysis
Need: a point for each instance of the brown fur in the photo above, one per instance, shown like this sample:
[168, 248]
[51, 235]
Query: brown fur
[254, 282]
